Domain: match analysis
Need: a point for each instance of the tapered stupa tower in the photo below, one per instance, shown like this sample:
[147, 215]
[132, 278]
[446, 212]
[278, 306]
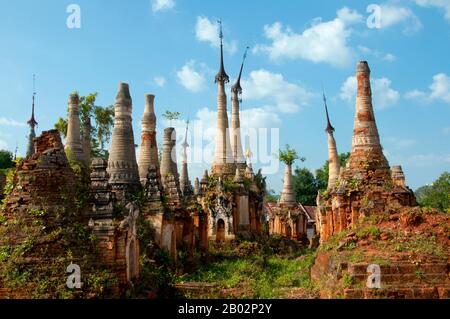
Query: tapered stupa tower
[169, 171]
[74, 145]
[287, 195]
[185, 183]
[236, 142]
[333, 157]
[367, 154]
[223, 160]
[149, 150]
[32, 123]
[122, 166]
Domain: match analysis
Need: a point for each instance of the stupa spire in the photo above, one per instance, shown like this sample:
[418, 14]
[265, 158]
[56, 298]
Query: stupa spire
[333, 157]
[185, 183]
[223, 159]
[221, 75]
[366, 147]
[236, 142]
[32, 123]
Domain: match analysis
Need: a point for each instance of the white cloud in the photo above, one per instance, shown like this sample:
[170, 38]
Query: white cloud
[3, 145]
[439, 90]
[273, 88]
[442, 4]
[400, 143]
[321, 42]
[208, 31]
[162, 5]
[203, 129]
[160, 81]
[384, 56]
[415, 94]
[382, 93]
[10, 122]
[426, 159]
[348, 89]
[392, 15]
[191, 78]
[389, 57]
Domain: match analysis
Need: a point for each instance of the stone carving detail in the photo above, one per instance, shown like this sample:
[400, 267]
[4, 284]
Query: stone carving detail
[101, 193]
[221, 210]
[153, 187]
[132, 244]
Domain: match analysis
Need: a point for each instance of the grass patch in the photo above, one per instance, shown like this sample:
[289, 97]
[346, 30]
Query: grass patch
[259, 277]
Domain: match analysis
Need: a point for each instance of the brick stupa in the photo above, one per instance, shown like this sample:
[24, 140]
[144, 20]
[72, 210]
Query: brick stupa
[366, 186]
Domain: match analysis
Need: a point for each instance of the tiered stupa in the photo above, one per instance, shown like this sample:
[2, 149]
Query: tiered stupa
[122, 166]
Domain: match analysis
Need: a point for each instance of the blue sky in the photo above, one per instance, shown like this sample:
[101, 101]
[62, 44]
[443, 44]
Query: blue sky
[169, 48]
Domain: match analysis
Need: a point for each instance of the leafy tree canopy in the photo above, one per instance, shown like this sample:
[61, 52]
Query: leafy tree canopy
[98, 119]
[322, 173]
[289, 155]
[6, 159]
[171, 116]
[436, 195]
[305, 186]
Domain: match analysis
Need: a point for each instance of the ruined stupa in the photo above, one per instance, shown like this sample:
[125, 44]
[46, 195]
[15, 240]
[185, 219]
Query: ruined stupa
[287, 195]
[169, 171]
[74, 146]
[365, 187]
[122, 166]
[149, 150]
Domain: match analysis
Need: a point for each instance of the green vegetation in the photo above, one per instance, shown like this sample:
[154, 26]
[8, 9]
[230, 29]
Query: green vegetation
[368, 231]
[305, 186]
[103, 119]
[289, 156]
[436, 195]
[251, 270]
[322, 173]
[6, 159]
[171, 116]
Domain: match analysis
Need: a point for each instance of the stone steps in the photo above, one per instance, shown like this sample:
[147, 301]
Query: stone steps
[417, 292]
[403, 273]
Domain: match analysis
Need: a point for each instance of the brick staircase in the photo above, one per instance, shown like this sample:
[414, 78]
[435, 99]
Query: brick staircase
[402, 280]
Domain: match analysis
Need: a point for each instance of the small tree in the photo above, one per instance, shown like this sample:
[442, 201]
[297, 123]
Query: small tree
[61, 126]
[103, 117]
[289, 156]
[171, 116]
